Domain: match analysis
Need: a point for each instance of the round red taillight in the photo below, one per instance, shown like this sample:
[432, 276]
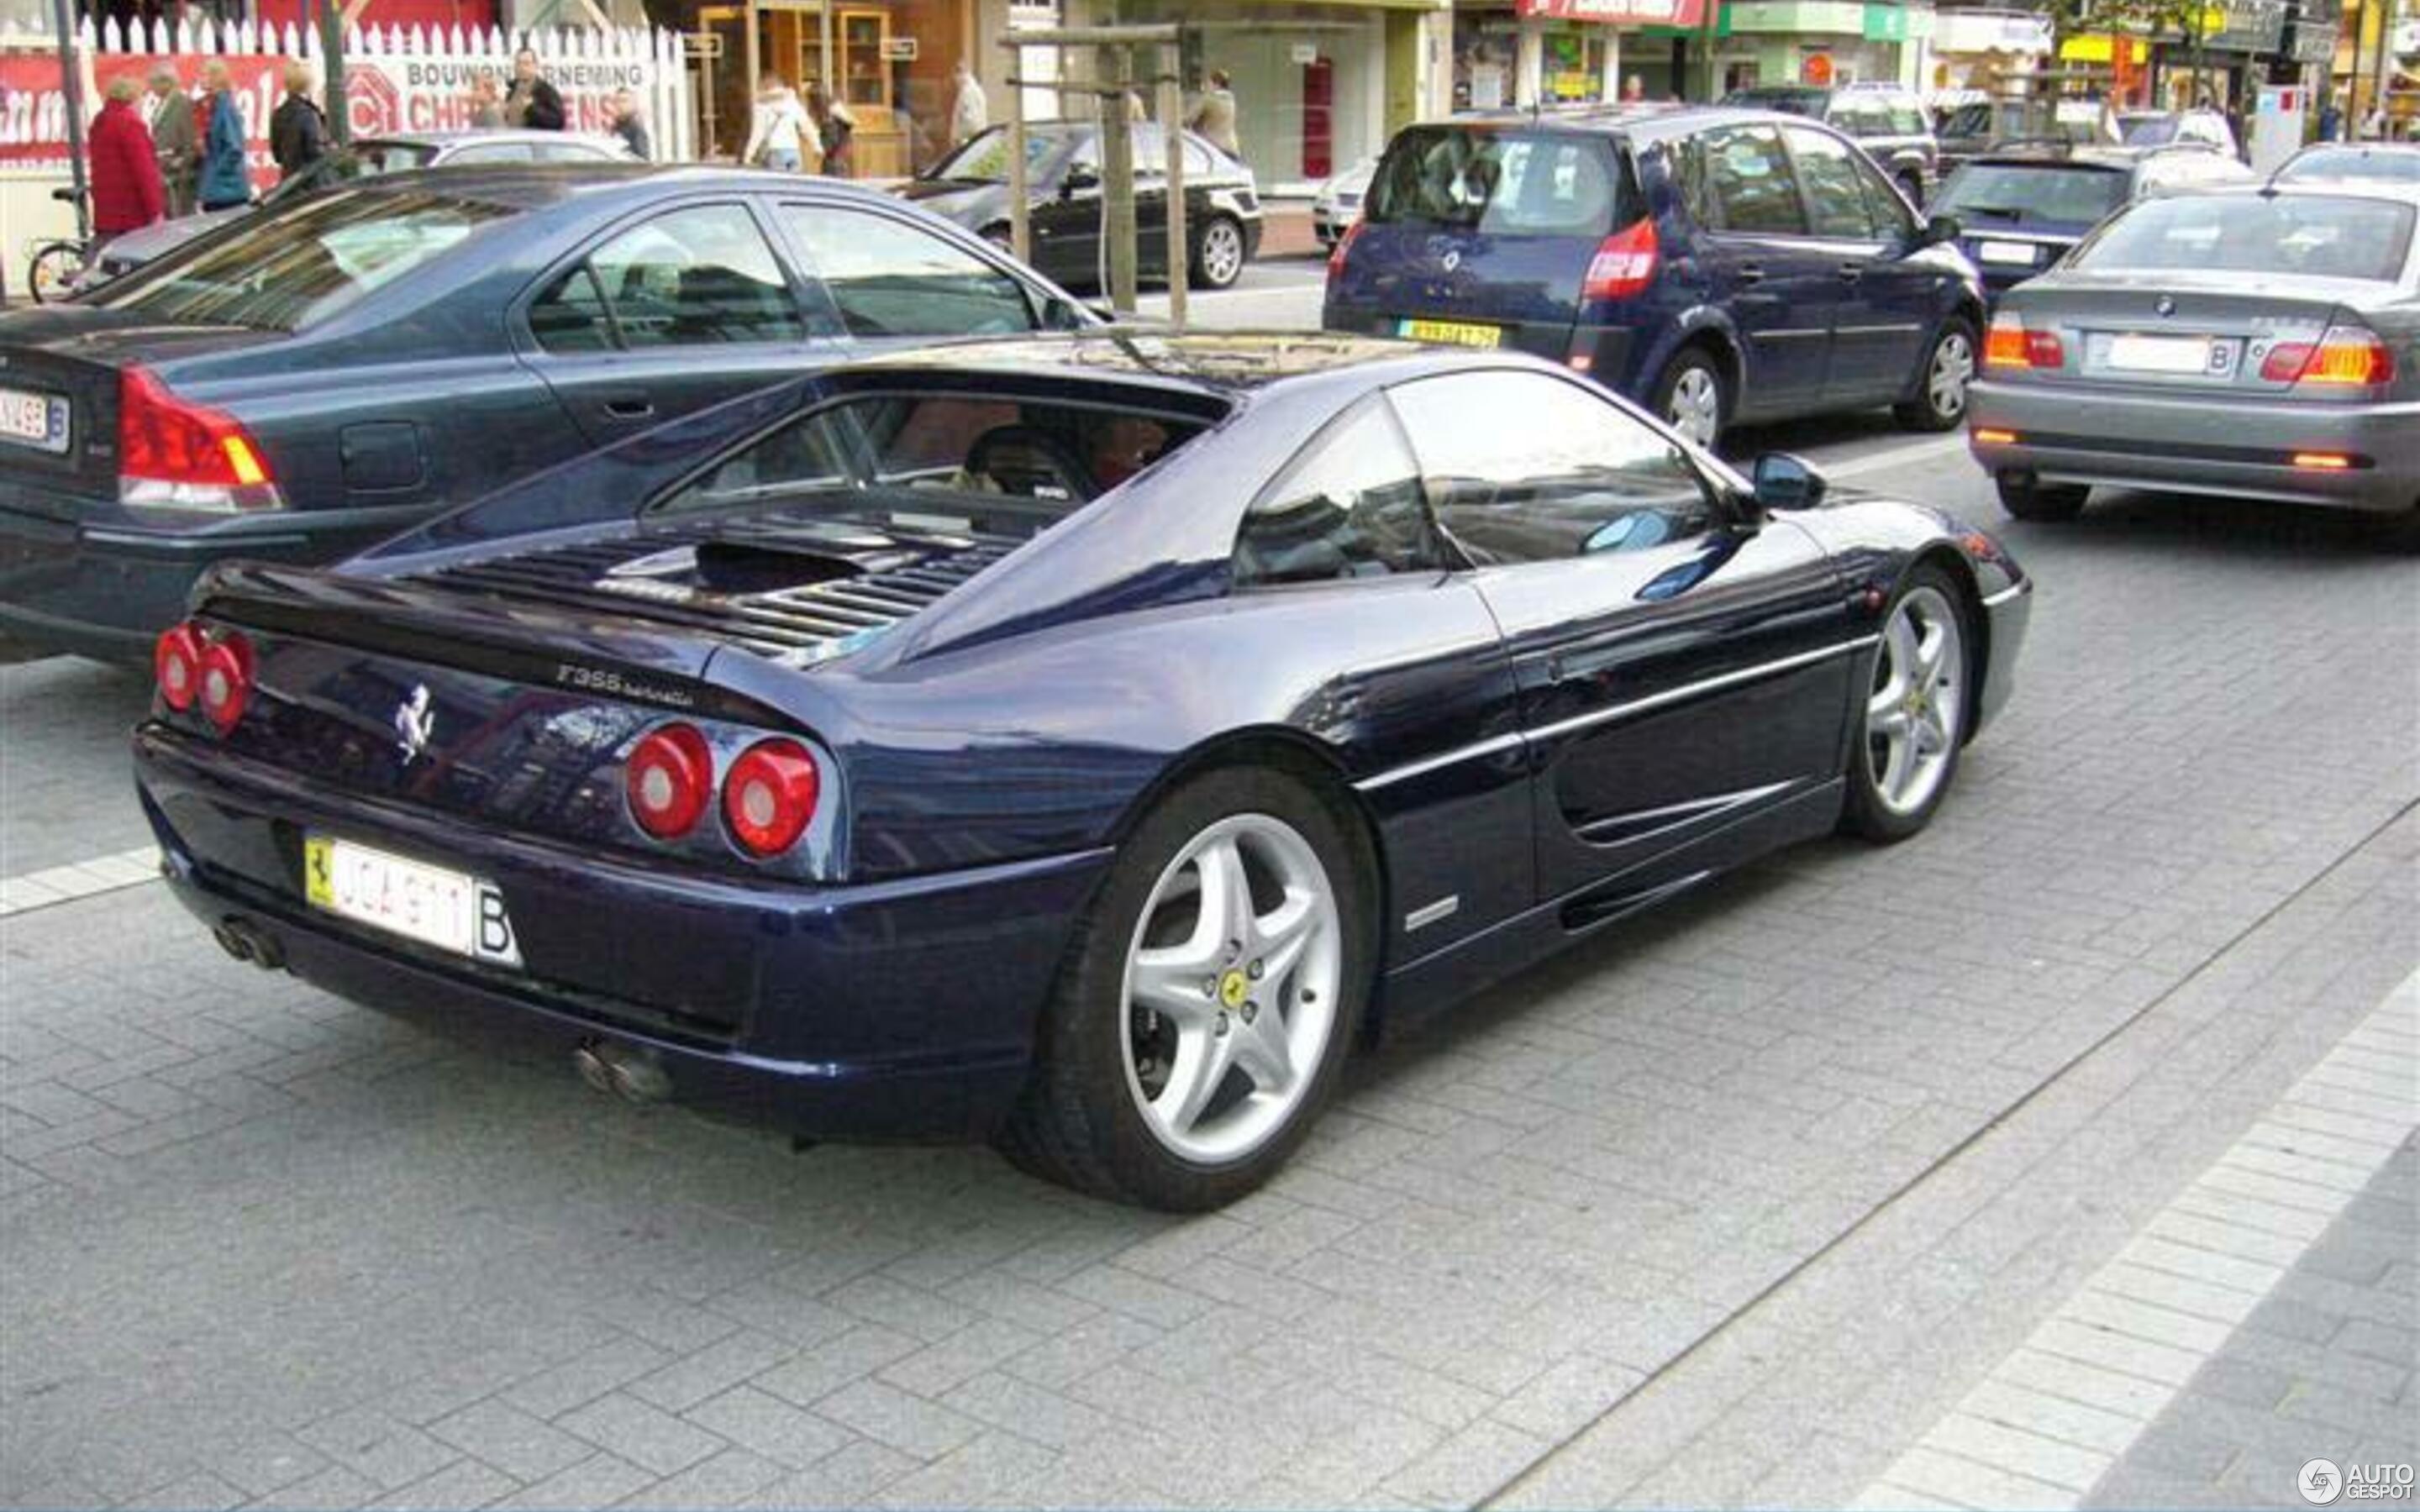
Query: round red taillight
[668, 779]
[225, 679]
[176, 663]
[769, 795]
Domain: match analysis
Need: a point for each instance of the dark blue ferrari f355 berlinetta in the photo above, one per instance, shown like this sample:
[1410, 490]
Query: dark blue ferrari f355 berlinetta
[1078, 742]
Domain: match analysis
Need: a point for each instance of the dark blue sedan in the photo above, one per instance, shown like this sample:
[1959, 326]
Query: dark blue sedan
[318, 377]
[1716, 264]
[1079, 743]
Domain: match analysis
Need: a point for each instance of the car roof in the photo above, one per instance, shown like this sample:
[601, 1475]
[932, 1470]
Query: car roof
[1648, 118]
[2392, 191]
[536, 186]
[484, 133]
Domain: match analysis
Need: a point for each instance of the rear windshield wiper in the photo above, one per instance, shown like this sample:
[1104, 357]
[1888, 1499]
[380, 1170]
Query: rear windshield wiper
[2005, 212]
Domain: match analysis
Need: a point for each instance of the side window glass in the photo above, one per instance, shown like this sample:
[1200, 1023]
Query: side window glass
[695, 277]
[1753, 187]
[887, 278]
[1887, 206]
[1836, 197]
[1521, 466]
[1688, 165]
[491, 152]
[1348, 506]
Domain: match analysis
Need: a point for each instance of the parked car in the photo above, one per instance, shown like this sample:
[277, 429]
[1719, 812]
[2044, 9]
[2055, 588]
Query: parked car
[1222, 204]
[2019, 210]
[1338, 205]
[1889, 122]
[365, 159]
[1717, 265]
[2261, 343]
[820, 757]
[2395, 162]
[1967, 123]
[2161, 127]
[328, 373]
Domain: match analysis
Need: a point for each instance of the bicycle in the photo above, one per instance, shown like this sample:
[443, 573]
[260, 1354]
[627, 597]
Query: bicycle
[54, 265]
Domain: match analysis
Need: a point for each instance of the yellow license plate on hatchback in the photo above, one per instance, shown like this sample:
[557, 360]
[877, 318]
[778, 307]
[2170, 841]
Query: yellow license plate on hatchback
[1451, 333]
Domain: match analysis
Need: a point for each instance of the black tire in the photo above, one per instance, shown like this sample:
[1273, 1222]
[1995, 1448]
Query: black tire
[1077, 1122]
[51, 273]
[1223, 270]
[1687, 364]
[1932, 410]
[2026, 496]
[2399, 533]
[1864, 811]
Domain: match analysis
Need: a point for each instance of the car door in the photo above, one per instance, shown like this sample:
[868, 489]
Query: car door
[1677, 671]
[1776, 281]
[889, 281]
[1878, 306]
[1066, 214]
[680, 309]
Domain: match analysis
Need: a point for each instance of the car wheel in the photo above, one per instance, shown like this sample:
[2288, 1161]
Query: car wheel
[1208, 1000]
[1940, 403]
[1218, 253]
[1689, 396]
[1915, 713]
[2401, 532]
[2026, 496]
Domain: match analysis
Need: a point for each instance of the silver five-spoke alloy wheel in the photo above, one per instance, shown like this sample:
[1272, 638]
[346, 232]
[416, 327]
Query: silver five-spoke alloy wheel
[1953, 368]
[1222, 252]
[1918, 704]
[1230, 988]
[1696, 406]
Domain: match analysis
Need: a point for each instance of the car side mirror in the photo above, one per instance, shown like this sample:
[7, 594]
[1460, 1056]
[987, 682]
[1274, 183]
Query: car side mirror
[1939, 230]
[1786, 481]
[1078, 182]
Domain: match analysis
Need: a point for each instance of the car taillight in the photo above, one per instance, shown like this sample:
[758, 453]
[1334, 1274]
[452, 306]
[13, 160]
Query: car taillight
[2010, 344]
[2346, 357]
[176, 663]
[769, 795]
[1344, 245]
[225, 679]
[1625, 264]
[174, 454]
[669, 780]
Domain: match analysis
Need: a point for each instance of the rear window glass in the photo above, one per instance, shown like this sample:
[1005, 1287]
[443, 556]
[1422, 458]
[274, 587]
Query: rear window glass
[2311, 235]
[1808, 103]
[285, 270]
[1508, 182]
[2014, 194]
[2388, 164]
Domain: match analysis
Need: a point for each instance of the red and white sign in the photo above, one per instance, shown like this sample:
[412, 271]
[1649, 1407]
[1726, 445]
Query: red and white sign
[1617, 12]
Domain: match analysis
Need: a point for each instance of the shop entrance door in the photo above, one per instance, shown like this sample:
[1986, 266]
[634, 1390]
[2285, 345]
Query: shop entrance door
[1318, 123]
[790, 37]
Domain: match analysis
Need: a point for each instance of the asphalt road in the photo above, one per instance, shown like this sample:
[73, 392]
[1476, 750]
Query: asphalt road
[1730, 1204]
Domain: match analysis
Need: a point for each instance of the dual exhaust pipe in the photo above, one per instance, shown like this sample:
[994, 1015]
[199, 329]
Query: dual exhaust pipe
[247, 941]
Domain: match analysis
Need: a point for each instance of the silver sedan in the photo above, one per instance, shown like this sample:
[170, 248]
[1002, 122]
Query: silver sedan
[2259, 344]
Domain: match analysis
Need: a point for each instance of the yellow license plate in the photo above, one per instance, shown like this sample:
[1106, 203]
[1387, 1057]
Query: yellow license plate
[1451, 332]
[432, 905]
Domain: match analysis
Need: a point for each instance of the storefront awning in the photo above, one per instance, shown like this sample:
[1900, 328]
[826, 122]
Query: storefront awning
[1618, 12]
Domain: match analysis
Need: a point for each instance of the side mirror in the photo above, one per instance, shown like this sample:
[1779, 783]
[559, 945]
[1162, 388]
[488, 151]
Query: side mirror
[1784, 481]
[1938, 231]
[1078, 182]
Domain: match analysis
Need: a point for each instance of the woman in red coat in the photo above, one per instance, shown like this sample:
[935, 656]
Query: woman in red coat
[127, 194]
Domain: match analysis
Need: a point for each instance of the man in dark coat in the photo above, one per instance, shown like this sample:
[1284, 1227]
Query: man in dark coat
[532, 102]
[127, 194]
[629, 126]
[170, 115]
[298, 132]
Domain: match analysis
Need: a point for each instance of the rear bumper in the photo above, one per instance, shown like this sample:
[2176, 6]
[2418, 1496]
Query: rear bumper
[2231, 449]
[901, 1009]
[104, 587]
[1610, 354]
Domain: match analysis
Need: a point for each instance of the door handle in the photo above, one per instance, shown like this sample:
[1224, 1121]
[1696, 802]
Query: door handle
[629, 408]
[1749, 273]
[1853, 271]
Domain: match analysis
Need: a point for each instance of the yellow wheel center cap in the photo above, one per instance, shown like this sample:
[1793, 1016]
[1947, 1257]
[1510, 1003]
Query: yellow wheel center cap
[1233, 989]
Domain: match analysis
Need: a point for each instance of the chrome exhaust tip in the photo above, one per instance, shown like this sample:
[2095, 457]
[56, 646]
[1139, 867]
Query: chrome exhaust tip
[592, 1067]
[631, 1073]
[231, 940]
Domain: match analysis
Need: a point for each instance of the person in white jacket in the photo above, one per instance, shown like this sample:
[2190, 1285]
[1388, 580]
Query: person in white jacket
[780, 135]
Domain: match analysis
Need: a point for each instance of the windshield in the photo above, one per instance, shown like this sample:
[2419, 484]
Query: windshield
[985, 157]
[2374, 164]
[2313, 236]
[2017, 192]
[288, 269]
[1516, 183]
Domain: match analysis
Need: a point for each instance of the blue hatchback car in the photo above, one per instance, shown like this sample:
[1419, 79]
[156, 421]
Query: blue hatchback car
[1716, 264]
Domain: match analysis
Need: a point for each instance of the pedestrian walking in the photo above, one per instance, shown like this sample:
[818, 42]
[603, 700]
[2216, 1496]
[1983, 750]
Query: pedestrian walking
[1214, 116]
[780, 134]
[169, 115]
[532, 102]
[127, 194]
[970, 109]
[837, 127]
[486, 104]
[298, 129]
[2331, 120]
[223, 182]
[629, 126]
